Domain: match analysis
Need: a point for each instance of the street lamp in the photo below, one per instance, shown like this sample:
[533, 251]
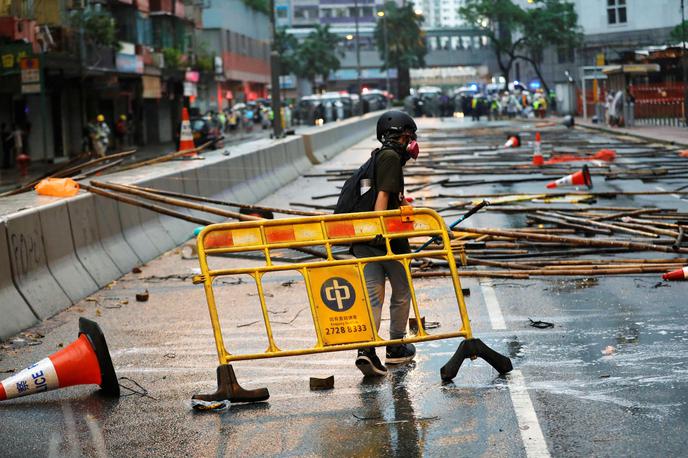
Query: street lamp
[358, 60]
[384, 34]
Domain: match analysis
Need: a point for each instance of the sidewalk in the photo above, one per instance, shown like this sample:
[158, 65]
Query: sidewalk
[664, 134]
[10, 178]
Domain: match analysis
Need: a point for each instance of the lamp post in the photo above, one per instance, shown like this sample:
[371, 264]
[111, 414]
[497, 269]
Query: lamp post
[386, 43]
[358, 60]
[274, 80]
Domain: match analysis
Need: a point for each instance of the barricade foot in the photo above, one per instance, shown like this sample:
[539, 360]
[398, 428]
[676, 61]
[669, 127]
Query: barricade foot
[228, 388]
[474, 348]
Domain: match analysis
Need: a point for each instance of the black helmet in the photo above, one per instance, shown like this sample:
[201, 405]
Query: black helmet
[394, 121]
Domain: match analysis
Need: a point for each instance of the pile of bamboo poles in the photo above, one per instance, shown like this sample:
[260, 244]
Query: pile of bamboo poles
[582, 235]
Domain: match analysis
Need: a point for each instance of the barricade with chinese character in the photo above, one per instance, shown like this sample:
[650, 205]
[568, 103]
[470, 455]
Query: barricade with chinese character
[337, 295]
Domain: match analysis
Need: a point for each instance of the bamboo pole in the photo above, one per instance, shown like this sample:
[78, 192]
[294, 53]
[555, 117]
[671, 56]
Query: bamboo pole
[147, 205]
[285, 211]
[612, 227]
[525, 274]
[166, 157]
[577, 241]
[175, 202]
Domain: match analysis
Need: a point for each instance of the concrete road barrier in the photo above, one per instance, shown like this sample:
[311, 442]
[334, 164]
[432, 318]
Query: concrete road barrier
[87, 241]
[30, 270]
[75, 280]
[135, 236]
[179, 230]
[323, 143]
[15, 312]
[112, 234]
[59, 251]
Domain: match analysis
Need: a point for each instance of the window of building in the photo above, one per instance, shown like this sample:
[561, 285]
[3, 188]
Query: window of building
[326, 12]
[616, 11]
[282, 12]
[565, 54]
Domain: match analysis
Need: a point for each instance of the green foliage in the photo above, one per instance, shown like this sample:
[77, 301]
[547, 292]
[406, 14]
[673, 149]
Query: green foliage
[551, 23]
[99, 27]
[287, 47]
[518, 33]
[205, 60]
[173, 58]
[262, 6]
[318, 54]
[405, 38]
[676, 35]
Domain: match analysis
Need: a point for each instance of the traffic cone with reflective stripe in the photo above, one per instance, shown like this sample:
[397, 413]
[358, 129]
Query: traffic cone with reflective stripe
[513, 141]
[679, 274]
[538, 160]
[86, 361]
[580, 178]
[186, 135]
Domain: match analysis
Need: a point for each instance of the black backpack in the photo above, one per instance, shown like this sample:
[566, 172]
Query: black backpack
[350, 198]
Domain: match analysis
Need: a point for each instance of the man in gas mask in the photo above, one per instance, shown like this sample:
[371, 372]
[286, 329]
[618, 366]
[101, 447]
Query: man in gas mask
[397, 132]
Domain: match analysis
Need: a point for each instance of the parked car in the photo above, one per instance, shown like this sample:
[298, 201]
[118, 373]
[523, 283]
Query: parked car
[373, 100]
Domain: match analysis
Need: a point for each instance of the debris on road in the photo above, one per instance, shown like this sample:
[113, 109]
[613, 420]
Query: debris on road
[142, 297]
[318, 384]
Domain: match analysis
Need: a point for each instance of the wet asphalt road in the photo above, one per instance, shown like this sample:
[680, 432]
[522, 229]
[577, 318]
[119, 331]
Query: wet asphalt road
[630, 402]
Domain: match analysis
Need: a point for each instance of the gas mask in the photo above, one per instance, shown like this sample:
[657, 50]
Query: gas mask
[413, 149]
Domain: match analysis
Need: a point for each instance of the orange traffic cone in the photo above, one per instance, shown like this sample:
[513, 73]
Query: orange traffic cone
[679, 274]
[513, 141]
[582, 177]
[538, 160]
[186, 135]
[86, 361]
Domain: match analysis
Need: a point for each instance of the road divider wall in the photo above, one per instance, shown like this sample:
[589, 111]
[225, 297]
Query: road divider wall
[55, 252]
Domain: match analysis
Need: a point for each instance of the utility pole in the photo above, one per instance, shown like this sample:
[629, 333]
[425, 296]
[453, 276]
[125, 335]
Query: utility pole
[275, 74]
[683, 62]
[358, 62]
[385, 33]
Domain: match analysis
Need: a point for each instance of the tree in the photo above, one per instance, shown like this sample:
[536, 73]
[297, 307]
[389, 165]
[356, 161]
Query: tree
[318, 55]
[287, 47]
[500, 21]
[406, 42]
[676, 35]
[550, 23]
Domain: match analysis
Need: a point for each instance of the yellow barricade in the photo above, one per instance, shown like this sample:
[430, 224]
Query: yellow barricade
[338, 298]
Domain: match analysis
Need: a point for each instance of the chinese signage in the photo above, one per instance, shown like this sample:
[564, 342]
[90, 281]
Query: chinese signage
[10, 55]
[30, 75]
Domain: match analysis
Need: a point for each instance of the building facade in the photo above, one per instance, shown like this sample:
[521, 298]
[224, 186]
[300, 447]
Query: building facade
[143, 59]
[613, 30]
[450, 43]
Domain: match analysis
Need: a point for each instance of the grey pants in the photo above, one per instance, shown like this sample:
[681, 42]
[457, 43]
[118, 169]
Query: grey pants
[400, 302]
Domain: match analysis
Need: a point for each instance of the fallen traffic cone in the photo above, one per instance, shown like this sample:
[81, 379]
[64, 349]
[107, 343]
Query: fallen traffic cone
[538, 160]
[582, 177]
[679, 274]
[86, 361]
[186, 135]
[513, 141]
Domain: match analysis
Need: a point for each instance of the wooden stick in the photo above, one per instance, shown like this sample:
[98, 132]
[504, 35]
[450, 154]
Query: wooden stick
[562, 222]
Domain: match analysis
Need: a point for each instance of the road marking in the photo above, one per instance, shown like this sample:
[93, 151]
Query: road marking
[493, 309]
[528, 424]
[96, 436]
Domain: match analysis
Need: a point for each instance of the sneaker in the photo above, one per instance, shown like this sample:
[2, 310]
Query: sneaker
[400, 354]
[368, 363]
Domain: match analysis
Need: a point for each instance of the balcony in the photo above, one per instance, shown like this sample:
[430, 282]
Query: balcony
[158, 7]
